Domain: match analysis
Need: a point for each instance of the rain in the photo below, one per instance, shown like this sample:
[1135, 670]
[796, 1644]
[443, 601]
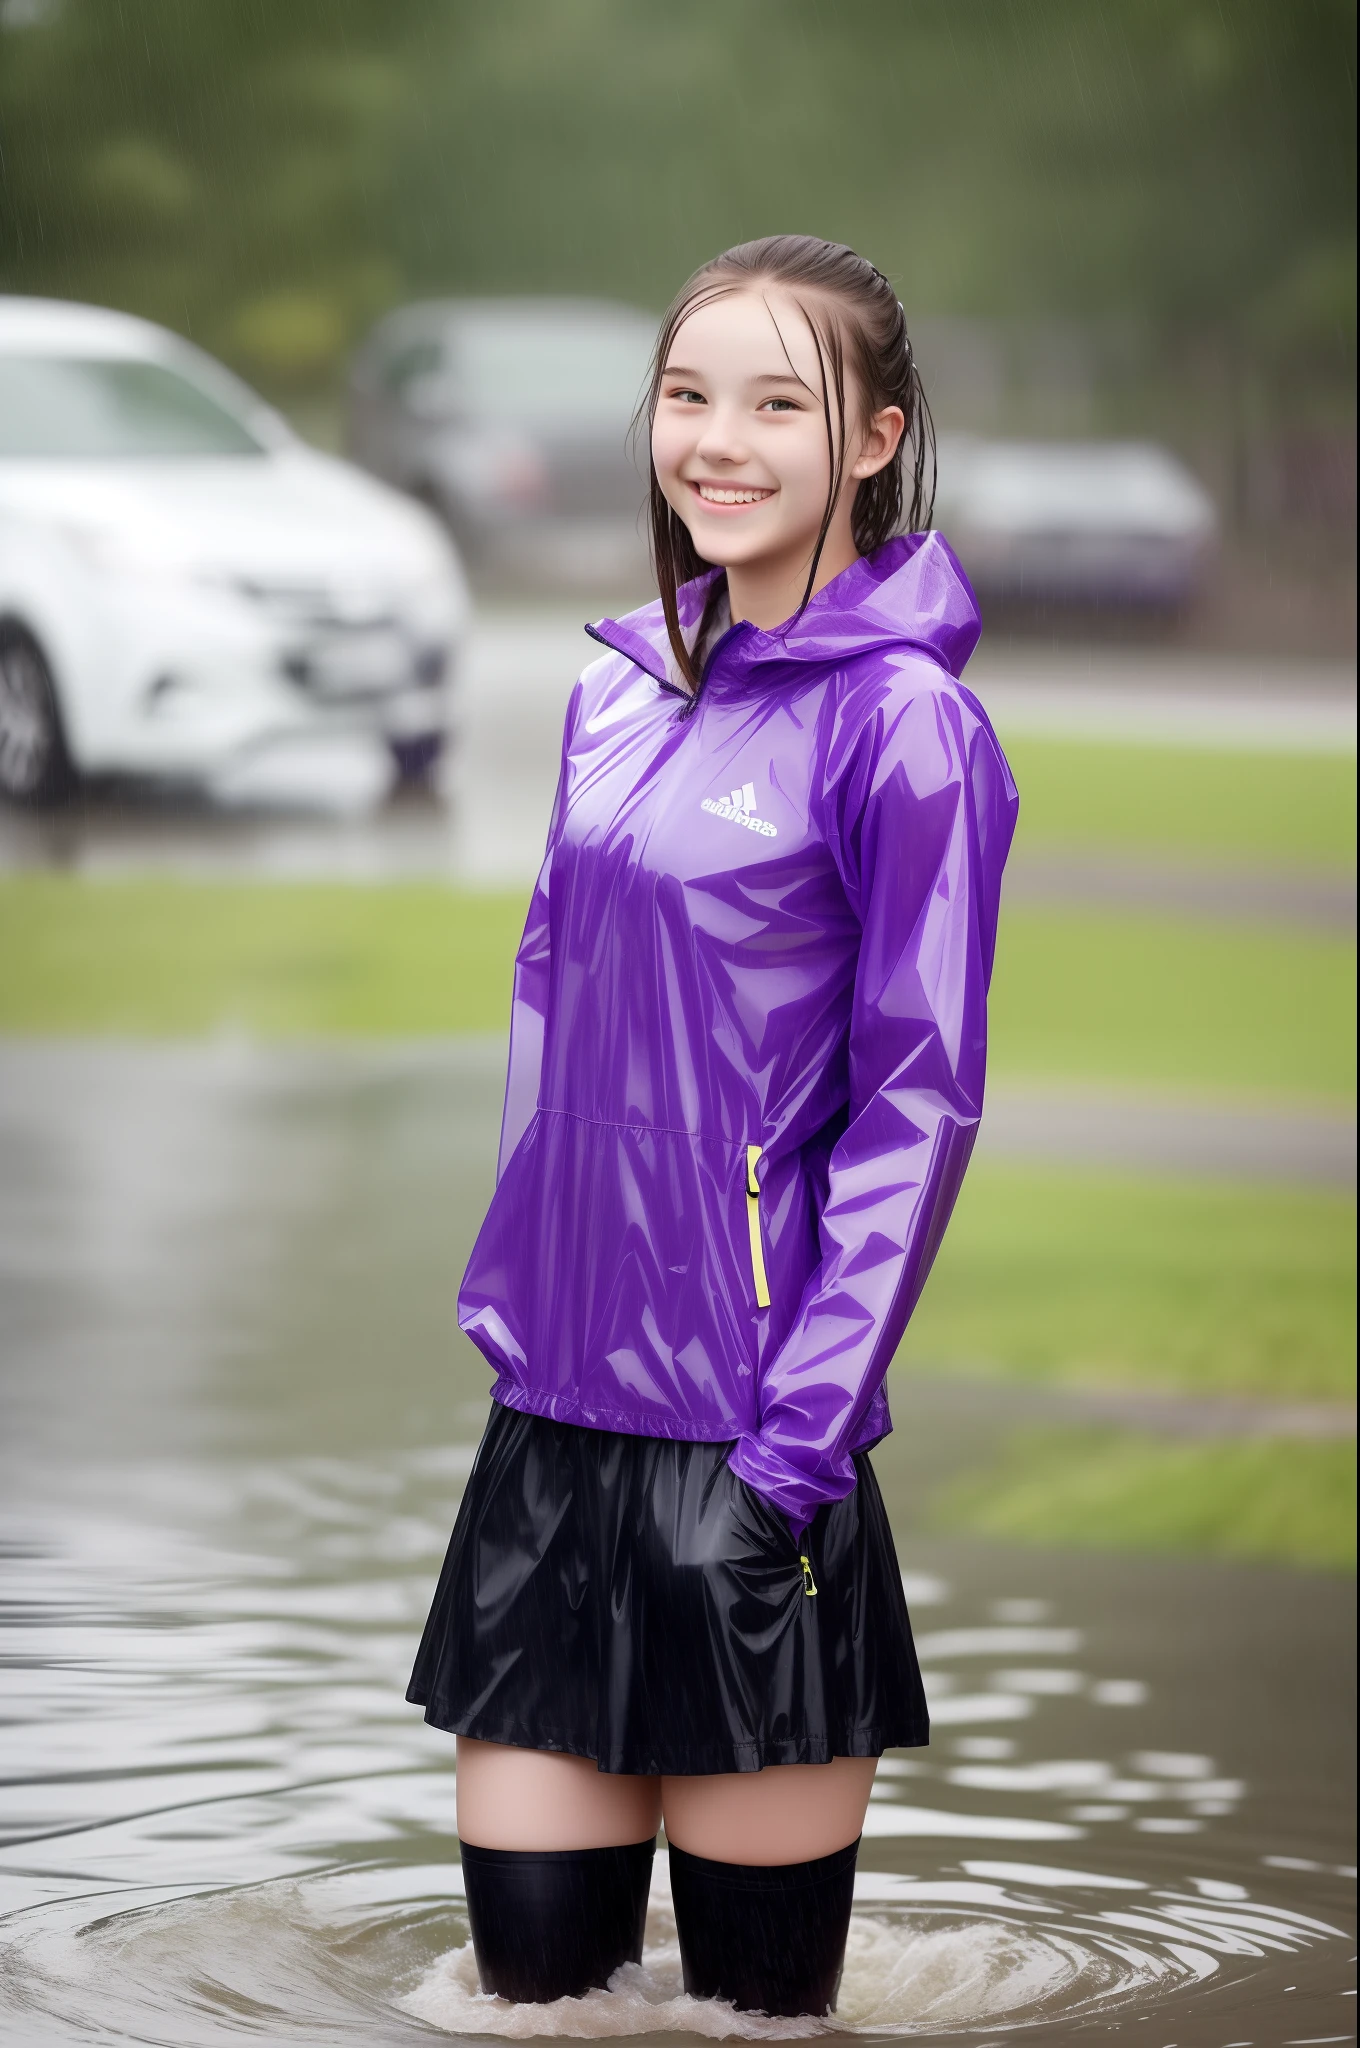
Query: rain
[323, 335]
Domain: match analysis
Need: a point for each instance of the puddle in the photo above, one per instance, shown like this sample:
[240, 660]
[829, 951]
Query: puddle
[923, 1959]
[951, 1956]
[232, 1435]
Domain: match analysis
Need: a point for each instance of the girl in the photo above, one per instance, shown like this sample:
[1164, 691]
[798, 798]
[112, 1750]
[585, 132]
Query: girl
[746, 1072]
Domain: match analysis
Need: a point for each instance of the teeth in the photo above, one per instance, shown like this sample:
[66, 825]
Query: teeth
[718, 497]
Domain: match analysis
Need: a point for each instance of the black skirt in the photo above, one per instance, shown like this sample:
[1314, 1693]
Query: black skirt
[631, 1600]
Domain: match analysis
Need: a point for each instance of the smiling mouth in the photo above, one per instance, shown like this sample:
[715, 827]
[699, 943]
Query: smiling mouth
[732, 494]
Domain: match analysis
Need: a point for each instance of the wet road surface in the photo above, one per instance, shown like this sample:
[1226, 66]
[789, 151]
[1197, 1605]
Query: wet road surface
[484, 827]
[235, 1418]
[321, 813]
[1316, 901]
[1144, 1132]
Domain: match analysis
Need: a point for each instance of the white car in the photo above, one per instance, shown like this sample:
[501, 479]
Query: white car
[183, 582]
[1119, 523]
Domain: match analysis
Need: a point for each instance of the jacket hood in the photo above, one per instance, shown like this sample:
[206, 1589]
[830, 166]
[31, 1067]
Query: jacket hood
[910, 593]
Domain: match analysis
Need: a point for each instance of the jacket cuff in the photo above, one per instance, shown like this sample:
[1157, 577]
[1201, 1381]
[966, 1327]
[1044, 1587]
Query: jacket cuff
[758, 1465]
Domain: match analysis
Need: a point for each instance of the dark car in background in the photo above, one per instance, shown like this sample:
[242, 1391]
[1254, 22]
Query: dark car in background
[511, 418]
[1081, 524]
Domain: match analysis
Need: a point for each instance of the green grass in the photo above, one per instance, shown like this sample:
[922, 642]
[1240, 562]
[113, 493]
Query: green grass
[1251, 809]
[159, 958]
[1077, 996]
[1100, 1279]
[1282, 1500]
[1094, 996]
[1046, 1275]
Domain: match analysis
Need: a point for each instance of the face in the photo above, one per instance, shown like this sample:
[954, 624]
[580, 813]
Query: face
[739, 439]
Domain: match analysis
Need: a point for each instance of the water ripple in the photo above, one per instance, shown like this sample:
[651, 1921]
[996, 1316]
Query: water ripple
[221, 1820]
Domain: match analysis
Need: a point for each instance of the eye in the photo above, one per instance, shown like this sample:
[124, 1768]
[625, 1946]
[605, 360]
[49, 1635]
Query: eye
[781, 405]
[687, 397]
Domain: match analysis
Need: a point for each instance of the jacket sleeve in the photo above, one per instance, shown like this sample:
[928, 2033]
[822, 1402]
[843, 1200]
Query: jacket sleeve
[533, 968]
[921, 817]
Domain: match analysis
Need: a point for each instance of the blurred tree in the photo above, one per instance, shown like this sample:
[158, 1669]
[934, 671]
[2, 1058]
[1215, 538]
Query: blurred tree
[210, 165]
[1180, 161]
[1173, 175]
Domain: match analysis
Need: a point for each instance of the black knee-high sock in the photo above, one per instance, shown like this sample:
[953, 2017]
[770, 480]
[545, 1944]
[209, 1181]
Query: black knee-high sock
[771, 1937]
[555, 1923]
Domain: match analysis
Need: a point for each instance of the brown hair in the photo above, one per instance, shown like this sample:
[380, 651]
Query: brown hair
[848, 306]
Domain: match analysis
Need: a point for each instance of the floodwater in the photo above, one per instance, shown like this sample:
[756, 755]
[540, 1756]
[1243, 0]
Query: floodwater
[235, 1417]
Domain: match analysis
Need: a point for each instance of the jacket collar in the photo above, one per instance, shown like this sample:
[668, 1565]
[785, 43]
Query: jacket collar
[912, 592]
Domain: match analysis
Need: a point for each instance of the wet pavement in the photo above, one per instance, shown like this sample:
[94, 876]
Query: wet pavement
[1144, 1132]
[1304, 900]
[326, 814]
[319, 811]
[235, 1418]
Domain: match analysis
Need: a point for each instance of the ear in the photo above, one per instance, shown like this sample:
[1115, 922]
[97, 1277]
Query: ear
[881, 438]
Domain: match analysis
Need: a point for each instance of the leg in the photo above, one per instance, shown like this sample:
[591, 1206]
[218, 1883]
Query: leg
[789, 1813]
[763, 1875]
[557, 1863]
[539, 1799]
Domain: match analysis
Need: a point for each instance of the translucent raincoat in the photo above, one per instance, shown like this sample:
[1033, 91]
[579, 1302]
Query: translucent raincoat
[749, 1027]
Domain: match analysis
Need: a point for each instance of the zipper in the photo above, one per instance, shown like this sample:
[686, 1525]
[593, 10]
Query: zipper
[809, 1583]
[753, 1226]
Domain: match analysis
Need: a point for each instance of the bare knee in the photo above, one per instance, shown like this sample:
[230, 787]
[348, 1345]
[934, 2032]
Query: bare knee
[537, 1799]
[787, 1813]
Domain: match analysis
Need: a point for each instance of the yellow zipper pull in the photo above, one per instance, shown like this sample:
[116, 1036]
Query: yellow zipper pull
[753, 1227]
[809, 1583]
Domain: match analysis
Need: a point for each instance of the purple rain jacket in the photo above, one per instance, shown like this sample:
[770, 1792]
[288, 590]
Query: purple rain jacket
[749, 1027]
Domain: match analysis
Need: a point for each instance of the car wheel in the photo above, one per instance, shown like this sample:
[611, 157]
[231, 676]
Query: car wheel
[417, 758]
[35, 767]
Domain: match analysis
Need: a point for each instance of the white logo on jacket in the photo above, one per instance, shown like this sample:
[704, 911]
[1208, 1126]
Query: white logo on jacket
[739, 809]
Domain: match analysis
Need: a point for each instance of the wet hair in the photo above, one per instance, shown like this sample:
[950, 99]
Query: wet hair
[854, 316]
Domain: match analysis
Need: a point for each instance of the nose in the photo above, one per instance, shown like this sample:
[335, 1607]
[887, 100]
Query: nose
[722, 442]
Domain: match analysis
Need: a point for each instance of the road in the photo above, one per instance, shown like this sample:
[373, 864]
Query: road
[485, 827]
[322, 814]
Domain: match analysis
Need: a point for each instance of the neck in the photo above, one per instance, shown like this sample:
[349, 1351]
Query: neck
[768, 592]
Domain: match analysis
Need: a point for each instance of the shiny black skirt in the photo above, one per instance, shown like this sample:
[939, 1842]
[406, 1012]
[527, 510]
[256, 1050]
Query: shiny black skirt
[631, 1600]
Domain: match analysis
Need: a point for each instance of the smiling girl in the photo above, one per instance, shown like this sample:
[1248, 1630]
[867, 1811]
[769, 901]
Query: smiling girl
[746, 1074]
